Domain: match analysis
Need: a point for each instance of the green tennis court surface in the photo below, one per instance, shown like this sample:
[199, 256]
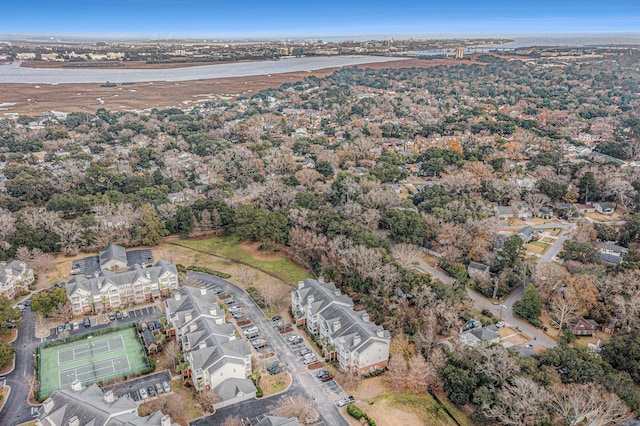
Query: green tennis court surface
[92, 359]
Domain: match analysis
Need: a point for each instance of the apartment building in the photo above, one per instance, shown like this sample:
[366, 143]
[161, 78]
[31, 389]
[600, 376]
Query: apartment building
[80, 406]
[109, 290]
[15, 278]
[216, 356]
[344, 334]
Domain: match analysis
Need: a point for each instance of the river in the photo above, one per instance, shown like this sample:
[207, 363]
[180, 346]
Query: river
[14, 73]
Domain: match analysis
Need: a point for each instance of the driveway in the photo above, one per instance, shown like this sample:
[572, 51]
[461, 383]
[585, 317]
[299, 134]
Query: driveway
[304, 380]
[17, 409]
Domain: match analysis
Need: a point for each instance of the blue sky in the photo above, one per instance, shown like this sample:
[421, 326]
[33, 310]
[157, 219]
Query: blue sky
[249, 18]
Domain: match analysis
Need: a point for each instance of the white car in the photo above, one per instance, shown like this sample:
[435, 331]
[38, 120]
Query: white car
[311, 360]
[143, 393]
[500, 324]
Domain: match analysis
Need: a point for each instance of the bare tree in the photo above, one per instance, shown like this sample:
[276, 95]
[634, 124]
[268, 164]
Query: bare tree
[71, 237]
[408, 255]
[562, 311]
[575, 401]
[62, 312]
[536, 201]
[171, 352]
[275, 296]
[297, 406]
[42, 262]
[7, 228]
[520, 403]
[247, 276]
[23, 254]
[207, 399]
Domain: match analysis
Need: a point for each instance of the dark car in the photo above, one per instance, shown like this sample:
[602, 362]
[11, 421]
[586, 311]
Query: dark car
[60, 328]
[118, 315]
[276, 318]
[112, 316]
[151, 390]
[86, 322]
[151, 326]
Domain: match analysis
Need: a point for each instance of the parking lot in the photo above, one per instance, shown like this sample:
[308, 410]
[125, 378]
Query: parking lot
[132, 387]
[286, 352]
[145, 313]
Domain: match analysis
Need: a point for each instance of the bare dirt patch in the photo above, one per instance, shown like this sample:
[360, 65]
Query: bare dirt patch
[254, 250]
[534, 249]
[33, 99]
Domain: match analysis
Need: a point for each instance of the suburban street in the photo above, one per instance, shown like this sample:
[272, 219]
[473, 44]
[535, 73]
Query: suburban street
[17, 409]
[304, 380]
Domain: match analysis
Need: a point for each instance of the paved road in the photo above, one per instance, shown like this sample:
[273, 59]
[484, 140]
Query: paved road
[17, 409]
[304, 381]
[436, 273]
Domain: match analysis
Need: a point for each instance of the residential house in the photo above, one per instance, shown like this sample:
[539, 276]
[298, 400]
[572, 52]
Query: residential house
[478, 271]
[177, 197]
[605, 207]
[110, 290]
[527, 234]
[585, 208]
[611, 248]
[518, 210]
[545, 213]
[15, 278]
[79, 406]
[214, 353]
[610, 259]
[487, 334]
[469, 339]
[583, 327]
[149, 340]
[347, 335]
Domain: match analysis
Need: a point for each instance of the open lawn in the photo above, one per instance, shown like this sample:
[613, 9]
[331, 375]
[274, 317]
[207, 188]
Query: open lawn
[531, 248]
[604, 217]
[181, 405]
[403, 408]
[230, 247]
[543, 246]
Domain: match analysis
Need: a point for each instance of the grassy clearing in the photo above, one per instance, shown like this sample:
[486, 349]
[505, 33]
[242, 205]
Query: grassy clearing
[424, 406]
[279, 267]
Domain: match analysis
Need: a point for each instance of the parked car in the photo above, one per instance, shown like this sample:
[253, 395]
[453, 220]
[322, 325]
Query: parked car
[112, 316]
[304, 351]
[143, 326]
[159, 388]
[500, 324]
[67, 326]
[166, 387]
[150, 325]
[324, 375]
[86, 322]
[311, 360]
[258, 343]
[276, 318]
[118, 315]
[294, 339]
[76, 326]
[151, 390]
[345, 401]
[125, 314]
[21, 307]
[216, 290]
[143, 393]
[157, 324]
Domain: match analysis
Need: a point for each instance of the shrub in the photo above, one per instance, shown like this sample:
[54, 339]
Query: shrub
[355, 412]
[208, 271]
[259, 392]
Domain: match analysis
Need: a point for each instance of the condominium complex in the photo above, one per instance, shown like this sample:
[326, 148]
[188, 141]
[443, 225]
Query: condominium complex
[346, 335]
[217, 358]
[15, 278]
[109, 290]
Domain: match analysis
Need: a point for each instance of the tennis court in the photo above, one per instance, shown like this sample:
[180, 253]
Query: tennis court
[91, 359]
[91, 349]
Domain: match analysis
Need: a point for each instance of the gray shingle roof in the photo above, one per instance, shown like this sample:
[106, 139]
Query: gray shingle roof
[113, 252]
[230, 388]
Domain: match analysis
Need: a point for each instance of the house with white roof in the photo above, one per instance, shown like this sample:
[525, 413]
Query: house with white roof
[346, 335]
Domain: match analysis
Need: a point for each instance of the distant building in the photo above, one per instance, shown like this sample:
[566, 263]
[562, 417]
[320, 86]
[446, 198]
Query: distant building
[610, 259]
[149, 339]
[527, 234]
[486, 334]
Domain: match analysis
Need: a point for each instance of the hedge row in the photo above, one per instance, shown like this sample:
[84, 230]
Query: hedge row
[358, 414]
[208, 271]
